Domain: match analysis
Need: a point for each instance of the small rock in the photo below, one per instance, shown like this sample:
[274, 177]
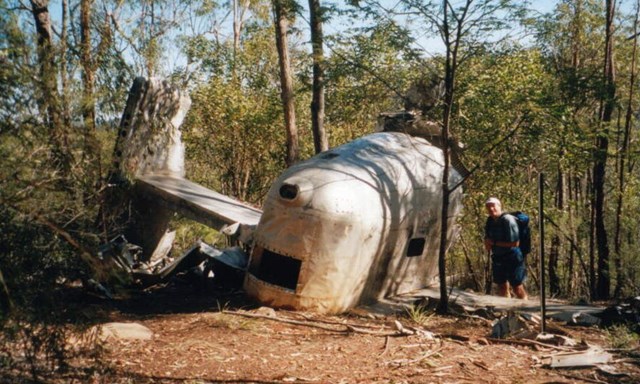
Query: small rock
[122, 331]
[266, 311]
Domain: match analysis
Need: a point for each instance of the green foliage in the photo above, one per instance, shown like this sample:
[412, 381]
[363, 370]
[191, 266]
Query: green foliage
[519, 110]
[620, 336]
[234, 131]
[365, 76]
[232, 139]
[17, 104]
[419, 314]
[38, 204]
[33, 260]
[503, 122]
[499, 93]
[187, 232]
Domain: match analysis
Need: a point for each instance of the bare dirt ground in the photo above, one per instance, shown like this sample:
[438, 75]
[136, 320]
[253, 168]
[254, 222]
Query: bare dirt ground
[221, 337]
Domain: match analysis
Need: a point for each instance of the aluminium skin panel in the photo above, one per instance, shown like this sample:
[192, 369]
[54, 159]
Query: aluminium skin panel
[351, 225]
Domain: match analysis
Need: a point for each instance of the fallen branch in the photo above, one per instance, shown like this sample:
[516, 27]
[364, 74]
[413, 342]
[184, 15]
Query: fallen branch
[405, 362]
[6, 304]
[374, 333]
[348, 328]
[528, 343]
[386, 346]
[307, 317]
[574, 377]
[455, 337]
[476, 317]
[481, 365]
[85, 254]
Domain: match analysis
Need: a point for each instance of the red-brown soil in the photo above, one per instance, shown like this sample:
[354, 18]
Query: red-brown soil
[220, 337]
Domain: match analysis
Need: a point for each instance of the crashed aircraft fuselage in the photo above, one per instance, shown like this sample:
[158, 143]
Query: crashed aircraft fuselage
[354, 224]
[351, 225]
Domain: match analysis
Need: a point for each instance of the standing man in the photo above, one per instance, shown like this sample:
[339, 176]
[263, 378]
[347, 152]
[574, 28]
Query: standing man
[501, 238]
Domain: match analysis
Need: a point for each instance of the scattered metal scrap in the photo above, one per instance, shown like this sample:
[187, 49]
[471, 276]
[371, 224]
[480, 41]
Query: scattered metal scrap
[519, 329]
[513, 325]
[207, 262]
[588, 358]
[625, 312]
[584, 319]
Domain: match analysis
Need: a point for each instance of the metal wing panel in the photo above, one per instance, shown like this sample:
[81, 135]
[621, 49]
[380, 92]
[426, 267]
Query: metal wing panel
[197, 202]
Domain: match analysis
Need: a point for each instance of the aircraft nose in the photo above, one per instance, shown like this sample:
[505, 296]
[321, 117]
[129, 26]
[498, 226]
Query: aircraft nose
[295, 191]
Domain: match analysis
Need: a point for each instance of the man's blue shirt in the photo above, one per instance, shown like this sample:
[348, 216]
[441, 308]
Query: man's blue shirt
[505, 228]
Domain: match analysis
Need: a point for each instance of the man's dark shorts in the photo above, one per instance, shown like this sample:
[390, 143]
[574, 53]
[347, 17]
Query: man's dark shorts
[510, 267]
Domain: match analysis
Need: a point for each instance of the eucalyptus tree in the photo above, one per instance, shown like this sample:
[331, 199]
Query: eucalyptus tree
[18, 105]
[605, 115]
[463, 27]
[283, 14]
[367, 70]
[503, 123]
[235, 120]
[95, 43]
[143, 32]
[579, 40]
[622, 277]
[49, 98]
[316, 18]
[569, 39]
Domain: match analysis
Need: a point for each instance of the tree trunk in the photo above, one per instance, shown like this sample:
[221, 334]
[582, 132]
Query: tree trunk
[49, 100]
[64, 80]
[320, 140]
[572, 276]
[281, 13]
[602, 146]
[451, 45]
[237, 25]
[624, 154]
[91, 155]
[554, 277]
[576, 38]
[88, 103]
[592, 238]
[239, 9]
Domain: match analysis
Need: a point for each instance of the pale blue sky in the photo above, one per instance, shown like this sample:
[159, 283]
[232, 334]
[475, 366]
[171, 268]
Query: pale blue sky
[428, 44]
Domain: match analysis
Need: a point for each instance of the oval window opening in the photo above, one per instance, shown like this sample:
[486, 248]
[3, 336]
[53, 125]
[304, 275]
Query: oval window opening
[288, 191]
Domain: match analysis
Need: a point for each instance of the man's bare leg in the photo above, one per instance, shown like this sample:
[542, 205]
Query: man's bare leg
[503, 290]
[520, 292]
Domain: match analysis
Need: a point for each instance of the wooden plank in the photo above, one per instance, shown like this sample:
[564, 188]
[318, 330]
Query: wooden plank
[196, 202]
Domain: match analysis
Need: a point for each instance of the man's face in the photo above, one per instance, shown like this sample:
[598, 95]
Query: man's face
[494, 210]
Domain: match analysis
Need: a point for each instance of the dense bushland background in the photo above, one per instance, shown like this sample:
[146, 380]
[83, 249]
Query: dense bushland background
[549, 90]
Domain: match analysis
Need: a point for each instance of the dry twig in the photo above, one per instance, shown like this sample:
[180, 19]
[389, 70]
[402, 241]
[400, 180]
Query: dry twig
[348, 328]
[386, 346]
[405, 362]
[528, 343]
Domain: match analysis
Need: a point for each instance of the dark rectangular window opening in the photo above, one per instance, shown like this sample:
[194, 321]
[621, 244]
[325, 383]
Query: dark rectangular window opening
[416, 247]
[278, 270]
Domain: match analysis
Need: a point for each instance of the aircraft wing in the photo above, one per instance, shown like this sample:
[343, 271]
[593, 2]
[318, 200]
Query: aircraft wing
[197, 202]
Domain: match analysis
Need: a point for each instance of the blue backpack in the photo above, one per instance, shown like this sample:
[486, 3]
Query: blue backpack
[525, 232]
